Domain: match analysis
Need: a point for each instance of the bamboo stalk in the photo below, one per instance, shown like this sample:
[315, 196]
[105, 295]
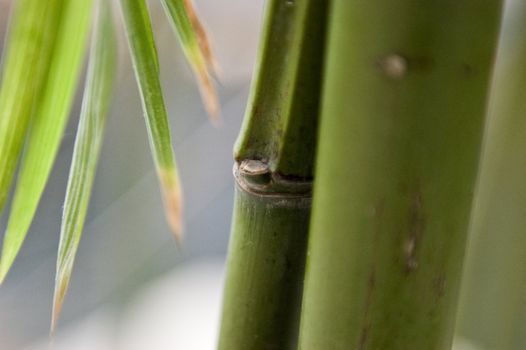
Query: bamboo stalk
[401, 125]
[274, 159]
[281, 120]
[266, 258]
[493, 298]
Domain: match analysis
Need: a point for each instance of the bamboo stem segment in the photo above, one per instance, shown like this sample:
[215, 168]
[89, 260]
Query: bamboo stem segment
[401, 126]
[275, 156]
[281, 120]
[265, 267]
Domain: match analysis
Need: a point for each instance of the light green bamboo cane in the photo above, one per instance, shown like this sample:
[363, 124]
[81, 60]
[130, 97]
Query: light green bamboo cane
[401, 124]
[274, 155]
[493, 299]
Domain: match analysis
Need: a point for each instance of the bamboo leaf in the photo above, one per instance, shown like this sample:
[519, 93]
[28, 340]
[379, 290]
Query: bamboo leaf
[145, 64]
[96, 101]
[48, 125]
[197, 49]
[32, 33]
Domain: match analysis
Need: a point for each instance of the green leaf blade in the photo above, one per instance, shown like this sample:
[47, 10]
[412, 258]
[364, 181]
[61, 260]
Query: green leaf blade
[197, 50]
[96, 102]
[32, 32]
[145, 63]
[48, 125]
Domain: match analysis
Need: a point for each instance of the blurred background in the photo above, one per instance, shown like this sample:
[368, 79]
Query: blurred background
[131, 287]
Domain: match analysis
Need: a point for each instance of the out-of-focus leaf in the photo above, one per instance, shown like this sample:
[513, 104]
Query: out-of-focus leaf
[196, 47]
[146, 67]
[96, 100]
[29, 46]
[48, 125]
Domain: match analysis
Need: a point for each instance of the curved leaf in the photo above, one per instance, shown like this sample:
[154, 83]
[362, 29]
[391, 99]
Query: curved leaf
[96, 101]
[146, 67]
[196, 47]
[48, 125]
[32, 33]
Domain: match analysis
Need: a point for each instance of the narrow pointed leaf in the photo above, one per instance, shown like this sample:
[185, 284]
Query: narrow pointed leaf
[96, 101]
[48, 125]
[29, 46]
[196, 47]
[145, 64]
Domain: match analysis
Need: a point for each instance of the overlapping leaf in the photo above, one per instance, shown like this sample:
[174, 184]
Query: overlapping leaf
[32, 34]
[196, 47]
[145, 63]
[48, 124]
[42, 66]
[96, 101]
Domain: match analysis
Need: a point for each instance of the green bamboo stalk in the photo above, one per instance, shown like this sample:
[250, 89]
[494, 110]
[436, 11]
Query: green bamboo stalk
[401, 124]
[493, 295]
[48, 125]
[32, 31]
[96, 101]
[263, 288]
[274, 160]
[146, 65]
[281, 120]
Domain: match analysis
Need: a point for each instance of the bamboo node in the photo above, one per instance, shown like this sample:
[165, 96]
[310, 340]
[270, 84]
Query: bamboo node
[255, 177]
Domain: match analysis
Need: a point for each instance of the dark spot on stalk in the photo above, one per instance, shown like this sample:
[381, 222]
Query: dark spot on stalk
[377, 215]
[467, 70]
[289, 265]
[420, 63]
[416, 223]
[363, 338]
[291, 177]
[256, 112]
[371, 283]
[439, 285]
